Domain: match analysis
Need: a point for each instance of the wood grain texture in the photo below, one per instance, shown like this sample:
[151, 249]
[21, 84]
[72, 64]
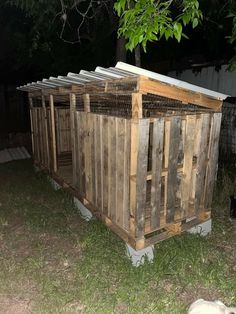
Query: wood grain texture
[157, 155]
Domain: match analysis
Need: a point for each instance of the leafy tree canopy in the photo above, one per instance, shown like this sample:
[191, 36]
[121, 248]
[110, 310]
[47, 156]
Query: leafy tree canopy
[142, 21]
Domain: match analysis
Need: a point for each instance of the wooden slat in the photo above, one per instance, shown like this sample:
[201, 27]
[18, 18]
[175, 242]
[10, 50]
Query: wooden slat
[142, 160]
[126, 174]
[87, 156]
[74, 137]
[36, 134]
[120, 179]
[54, 149]
[99, 163]
[213, 160]
[46, 131]
[186, 182]
[171, 188]
[105, 163]
[79, 161]
[93, 161]
[154, 87]
[203, 138]
[134, 130]
[31, 124]
[112, 168]
[157, 154]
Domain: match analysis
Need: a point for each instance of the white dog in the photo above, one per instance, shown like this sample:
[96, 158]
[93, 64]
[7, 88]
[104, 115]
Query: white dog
[206, 307]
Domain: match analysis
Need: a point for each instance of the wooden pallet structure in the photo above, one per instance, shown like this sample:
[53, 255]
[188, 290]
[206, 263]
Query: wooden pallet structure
[138, 150]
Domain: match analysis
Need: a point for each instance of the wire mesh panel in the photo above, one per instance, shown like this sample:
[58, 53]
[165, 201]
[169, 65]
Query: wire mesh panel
[227, 149]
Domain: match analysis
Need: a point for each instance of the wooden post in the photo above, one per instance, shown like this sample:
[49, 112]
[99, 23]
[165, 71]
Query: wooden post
[73, 137]
[86, 100]
[137, 106]
[54, 148]
[138, 168]
[46, 130]
[31, 124]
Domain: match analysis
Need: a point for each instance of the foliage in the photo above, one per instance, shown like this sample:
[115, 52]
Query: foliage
[142, 21]
[232, 37]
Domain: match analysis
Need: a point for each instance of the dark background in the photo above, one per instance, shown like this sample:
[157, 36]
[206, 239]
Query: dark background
[31, 51]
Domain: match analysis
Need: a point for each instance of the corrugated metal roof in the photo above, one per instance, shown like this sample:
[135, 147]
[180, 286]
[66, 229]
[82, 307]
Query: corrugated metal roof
[16, 153]
[121, 70]
[170, 80]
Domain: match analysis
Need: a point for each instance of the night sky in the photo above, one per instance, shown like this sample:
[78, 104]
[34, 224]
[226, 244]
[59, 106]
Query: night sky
[26, 55]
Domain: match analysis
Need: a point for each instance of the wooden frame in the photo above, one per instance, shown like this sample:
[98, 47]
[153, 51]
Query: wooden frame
[147, 177]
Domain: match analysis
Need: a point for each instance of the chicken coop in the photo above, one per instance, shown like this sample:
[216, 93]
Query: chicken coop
[138, 149]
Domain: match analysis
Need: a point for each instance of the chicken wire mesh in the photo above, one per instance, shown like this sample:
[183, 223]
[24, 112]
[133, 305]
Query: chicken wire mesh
[227, 145]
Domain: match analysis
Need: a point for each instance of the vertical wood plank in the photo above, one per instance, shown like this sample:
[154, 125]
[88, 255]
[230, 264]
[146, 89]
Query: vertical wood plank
[54, 147]
[213, 160]
[46, 131]
[105, 163]
[99, 163]
[186, 182]
[142, 161]
[157, 155]
[126, 175]
[93, 162]
[174, 141]
[32, 125]
[120, 140]
[73, 136]
[134, 130]
[137, 107]
[88, 156]
[201, 162]
[112, 167]
[79, 156]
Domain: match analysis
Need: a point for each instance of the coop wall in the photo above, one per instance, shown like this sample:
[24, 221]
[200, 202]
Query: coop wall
[43, 132]
[147, 175]
[145, 164]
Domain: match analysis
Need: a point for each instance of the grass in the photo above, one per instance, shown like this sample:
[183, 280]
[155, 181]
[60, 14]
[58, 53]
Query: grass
[54, 262]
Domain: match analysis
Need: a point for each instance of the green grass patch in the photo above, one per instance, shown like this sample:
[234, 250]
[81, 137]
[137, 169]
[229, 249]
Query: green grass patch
[52, 261]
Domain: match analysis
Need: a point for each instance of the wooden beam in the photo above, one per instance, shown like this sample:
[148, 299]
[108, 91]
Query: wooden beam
[53, 140]
[149, 86]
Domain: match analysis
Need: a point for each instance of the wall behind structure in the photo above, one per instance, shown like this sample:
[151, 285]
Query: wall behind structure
[219, 80]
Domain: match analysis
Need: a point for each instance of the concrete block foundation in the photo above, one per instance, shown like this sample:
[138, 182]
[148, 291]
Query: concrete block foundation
[54, 184]
[85, 213]
[139, 257]
[203, 229]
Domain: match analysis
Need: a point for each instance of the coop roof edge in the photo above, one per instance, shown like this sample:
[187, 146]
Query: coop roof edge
[121, 70]
[169, 80]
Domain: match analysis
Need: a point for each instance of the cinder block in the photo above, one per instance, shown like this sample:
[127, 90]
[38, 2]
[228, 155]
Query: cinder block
[138, 257]
[54, 184]
[203, 229]
[85, 213]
